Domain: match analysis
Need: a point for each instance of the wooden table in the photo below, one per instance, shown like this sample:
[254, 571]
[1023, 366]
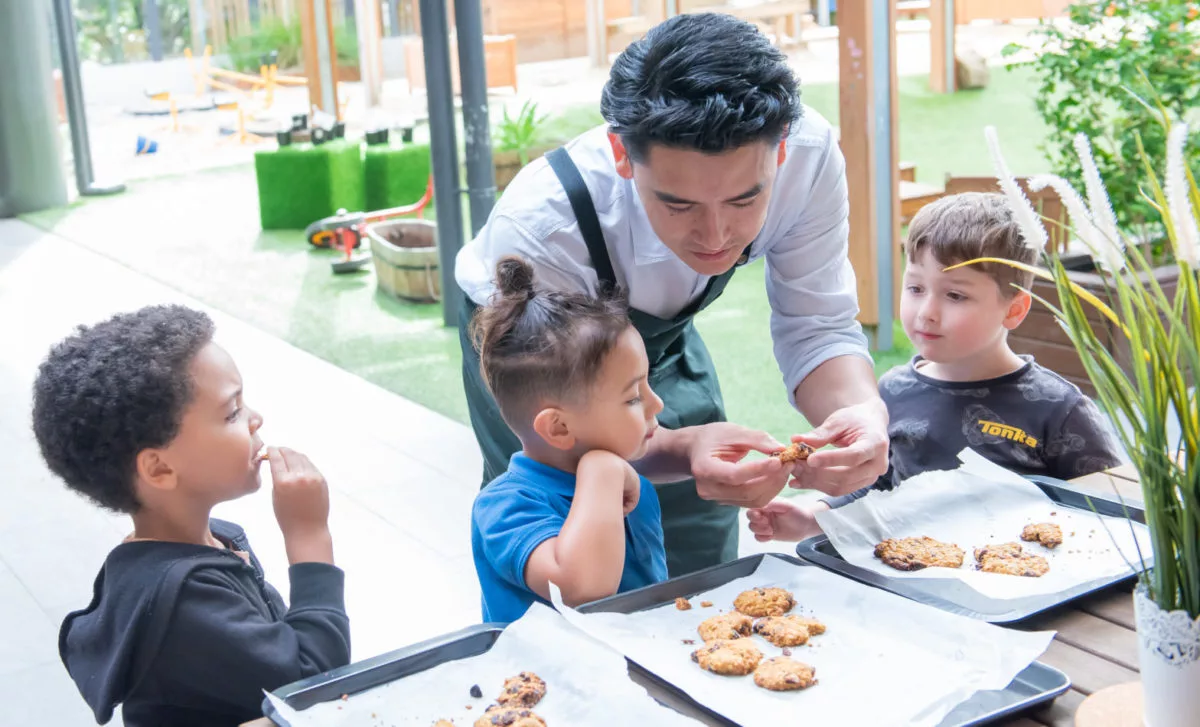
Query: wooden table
[1096, 643]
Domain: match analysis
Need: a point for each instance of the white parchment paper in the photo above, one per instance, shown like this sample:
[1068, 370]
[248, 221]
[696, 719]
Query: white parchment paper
[587, 683]
[884, 660]
[981, 503]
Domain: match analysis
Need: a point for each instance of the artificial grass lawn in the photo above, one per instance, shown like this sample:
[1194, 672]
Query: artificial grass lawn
[274, 281]
[302, 183]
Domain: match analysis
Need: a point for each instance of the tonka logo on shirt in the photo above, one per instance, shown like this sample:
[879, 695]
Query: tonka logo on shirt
[996, 429]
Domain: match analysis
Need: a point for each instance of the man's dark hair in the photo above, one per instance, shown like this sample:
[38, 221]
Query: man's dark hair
[111, 390]
[705, 81]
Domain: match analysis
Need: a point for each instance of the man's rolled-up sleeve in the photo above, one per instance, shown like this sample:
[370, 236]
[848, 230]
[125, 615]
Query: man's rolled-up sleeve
[810, 282]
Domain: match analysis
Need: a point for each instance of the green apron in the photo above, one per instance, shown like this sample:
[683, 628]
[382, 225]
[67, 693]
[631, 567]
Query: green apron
[699, 533]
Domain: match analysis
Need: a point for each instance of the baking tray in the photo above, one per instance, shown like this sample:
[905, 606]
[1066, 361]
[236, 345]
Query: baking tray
[1035, 685]
[957, 597]
[385, 668]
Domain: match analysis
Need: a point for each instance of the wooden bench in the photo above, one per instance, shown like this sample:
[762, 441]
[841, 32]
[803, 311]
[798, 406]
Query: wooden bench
[911, 9]
[1047, 203]
[786, 18]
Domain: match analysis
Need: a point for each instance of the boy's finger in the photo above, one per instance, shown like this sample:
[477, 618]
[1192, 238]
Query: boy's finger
[816, 439]
[278, 462]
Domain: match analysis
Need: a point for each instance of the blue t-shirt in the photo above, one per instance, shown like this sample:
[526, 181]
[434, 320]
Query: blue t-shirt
[525, 507]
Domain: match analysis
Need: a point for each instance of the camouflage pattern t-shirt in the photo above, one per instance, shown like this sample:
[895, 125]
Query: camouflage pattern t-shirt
[1031, 421]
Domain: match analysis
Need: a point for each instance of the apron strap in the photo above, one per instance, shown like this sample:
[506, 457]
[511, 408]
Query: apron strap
[585, 214]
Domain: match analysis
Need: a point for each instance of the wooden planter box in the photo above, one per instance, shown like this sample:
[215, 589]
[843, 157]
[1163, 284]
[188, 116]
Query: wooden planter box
[508, 163]
[1042, 337]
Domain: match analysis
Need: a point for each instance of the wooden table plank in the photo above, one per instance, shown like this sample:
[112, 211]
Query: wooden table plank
[1115, 606]
[1088, 672]
[1092, 634]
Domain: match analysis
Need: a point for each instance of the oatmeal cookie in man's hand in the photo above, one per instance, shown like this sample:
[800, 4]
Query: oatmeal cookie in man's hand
[794, 452]
[782, 674]
[760, 602]
[909, 554]
[730, 658]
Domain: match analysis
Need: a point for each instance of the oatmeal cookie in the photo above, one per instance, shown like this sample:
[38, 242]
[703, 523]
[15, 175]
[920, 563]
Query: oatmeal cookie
[759, 602]
[731, 658]
[794, 452]
[1048, 534]
[783, 630]
[909, 554]
[524, 690]
[999, 550]
[729, 626]
[782, 674]
[1032, 566]
[498, 715]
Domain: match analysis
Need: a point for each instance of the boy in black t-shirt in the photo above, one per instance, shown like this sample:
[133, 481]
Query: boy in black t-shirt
[966, 387]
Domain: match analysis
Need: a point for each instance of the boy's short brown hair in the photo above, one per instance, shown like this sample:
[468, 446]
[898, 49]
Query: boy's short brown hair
[971, 225]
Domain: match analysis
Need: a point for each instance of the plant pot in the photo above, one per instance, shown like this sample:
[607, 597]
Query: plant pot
[1042, 337]
[1169, 658]
[405, 254]
[508, 163]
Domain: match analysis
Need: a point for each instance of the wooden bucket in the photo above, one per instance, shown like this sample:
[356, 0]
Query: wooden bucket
[405, 255]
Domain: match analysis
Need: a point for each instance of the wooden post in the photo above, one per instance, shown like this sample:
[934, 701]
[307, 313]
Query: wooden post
[867, 98]
[942, 26]
[320, 56]
[370, 58]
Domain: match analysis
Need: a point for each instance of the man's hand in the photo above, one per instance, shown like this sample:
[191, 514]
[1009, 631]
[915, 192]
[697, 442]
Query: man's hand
[716, 456]
[860, 434]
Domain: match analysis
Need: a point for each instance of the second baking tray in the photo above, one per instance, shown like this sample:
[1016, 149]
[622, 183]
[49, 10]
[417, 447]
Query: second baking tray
[957, 597]
[1036, 684]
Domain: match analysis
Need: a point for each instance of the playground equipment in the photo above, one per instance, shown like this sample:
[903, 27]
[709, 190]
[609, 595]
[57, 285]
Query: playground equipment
[345, 230]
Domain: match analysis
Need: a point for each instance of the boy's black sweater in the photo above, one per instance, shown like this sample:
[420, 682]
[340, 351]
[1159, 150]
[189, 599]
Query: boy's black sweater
[190, 635]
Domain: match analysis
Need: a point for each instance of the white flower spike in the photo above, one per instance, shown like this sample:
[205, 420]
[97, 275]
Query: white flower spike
[1179, 205]
[1102, 212]
[1027, 217]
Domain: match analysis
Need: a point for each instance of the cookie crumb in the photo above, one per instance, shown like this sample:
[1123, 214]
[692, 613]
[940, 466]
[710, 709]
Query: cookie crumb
[706, 604]
[689, 641]
[476, 692]
[682, 604]
[787, 651]
[345, 697]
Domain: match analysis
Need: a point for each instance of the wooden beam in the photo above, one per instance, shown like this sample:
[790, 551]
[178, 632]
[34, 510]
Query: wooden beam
[867, 98]
[320, 55]
[942, 26]
[370, 58]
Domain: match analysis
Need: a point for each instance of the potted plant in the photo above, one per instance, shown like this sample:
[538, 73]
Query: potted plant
[515, 139]
[1162, 334]
[1084, 67]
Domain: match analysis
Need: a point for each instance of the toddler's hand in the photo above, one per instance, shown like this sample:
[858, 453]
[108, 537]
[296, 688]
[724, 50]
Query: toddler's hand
[783, 520]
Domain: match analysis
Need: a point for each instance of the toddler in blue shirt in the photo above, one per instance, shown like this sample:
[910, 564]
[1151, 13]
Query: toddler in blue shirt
[569, 374]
